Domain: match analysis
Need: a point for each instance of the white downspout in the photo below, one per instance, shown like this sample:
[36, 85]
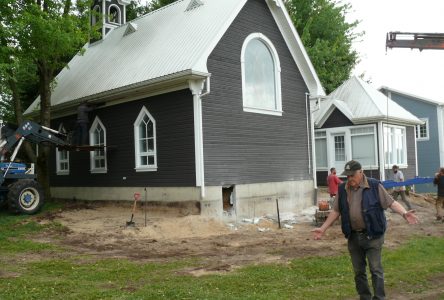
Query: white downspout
[381, 150]
[308, 113]
[196, 87]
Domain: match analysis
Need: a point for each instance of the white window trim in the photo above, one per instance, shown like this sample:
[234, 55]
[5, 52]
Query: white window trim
[331, 132]
[277, 66]
[58, 158]
[421, 139]
[92, 130]
[138, 167]
[401, 165]
[119, 16]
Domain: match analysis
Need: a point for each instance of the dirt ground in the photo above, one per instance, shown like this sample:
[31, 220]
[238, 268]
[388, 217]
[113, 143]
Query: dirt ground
[179, 232]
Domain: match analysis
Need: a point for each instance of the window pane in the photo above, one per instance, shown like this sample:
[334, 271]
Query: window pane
[394, 147]
[143, 146]
[363, 149]
[362, 130]
[339, 148]
[151, 160]
[150, 144]
[150, 129]
[321, 153]
[142, 130]
[143, 161]
[260, 86]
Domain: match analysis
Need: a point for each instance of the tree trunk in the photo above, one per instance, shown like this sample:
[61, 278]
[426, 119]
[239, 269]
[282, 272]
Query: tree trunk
[45, 120]
[19, 115]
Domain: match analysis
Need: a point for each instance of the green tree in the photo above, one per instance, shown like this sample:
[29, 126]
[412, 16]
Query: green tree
[156, 4]
[327, 37]
[38, 37]
[136, 8]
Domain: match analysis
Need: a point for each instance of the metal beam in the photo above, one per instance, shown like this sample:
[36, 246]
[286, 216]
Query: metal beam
[421, 41]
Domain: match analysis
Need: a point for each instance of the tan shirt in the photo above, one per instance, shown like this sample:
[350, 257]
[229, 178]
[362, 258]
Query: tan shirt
[354, 198]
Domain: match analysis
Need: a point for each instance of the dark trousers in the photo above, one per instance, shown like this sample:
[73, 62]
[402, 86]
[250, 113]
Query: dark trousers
[81, 134]
[403, 198]
[362, 250]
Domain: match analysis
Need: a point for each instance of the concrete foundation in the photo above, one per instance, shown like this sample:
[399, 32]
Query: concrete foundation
[249, 200]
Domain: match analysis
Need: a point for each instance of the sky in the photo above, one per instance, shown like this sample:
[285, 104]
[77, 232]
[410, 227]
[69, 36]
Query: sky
[411, 71]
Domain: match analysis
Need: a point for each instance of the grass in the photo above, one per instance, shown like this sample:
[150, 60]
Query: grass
[29, 270]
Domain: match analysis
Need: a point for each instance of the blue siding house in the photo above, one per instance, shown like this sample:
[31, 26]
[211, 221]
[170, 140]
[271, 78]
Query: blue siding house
[429, 136]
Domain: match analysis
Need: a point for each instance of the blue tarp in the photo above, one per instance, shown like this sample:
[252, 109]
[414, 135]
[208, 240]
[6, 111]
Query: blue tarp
[417, 180]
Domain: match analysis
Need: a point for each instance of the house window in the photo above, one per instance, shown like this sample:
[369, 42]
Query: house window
[261, 79]
[62, 158]
[95, 14]
[97, 137]
[114, 14]
[145, 141]
[363, 145]
[321, 149]
[422, 131]
[334, 146]
[395, 149]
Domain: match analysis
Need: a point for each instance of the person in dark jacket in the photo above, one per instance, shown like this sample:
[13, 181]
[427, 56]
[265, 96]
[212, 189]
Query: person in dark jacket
[361, 202]
[439, 181]
[82, 123]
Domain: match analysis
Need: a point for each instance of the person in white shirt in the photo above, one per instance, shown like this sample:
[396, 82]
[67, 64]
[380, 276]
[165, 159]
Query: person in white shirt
[399, 190]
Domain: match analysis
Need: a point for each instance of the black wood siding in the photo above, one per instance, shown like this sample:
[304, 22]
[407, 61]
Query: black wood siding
[173, 113]
[337, 119]
[242, 147]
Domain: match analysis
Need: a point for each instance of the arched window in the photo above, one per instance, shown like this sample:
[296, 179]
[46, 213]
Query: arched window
[261, 76]
[62, 158]
[95, 15]
[97, 137]
[114, 14]
[145, 141]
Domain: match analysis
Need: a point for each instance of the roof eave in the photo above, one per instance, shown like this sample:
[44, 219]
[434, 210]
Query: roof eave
[400, 121]
[156, 86]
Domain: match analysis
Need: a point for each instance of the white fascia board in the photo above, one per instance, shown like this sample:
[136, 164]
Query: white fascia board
[390, 120]
[296, 47]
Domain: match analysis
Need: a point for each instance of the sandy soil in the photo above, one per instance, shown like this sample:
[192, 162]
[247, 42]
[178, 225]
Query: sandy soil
[175, 233]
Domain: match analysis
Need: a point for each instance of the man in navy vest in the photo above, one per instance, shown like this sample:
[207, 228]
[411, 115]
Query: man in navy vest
[361, 202]
[439, 181]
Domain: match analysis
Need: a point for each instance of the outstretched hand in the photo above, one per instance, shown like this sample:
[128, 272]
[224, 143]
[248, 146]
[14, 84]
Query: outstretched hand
[317, 233]
[411, 217]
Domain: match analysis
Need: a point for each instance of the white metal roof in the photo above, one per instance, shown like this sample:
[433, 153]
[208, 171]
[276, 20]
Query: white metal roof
[361, 103]
[160, 45]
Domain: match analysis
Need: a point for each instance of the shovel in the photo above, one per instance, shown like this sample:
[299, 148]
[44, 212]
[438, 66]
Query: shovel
[131, 223]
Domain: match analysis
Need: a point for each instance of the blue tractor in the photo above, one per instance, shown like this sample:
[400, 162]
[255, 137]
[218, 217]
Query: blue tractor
[19, 189]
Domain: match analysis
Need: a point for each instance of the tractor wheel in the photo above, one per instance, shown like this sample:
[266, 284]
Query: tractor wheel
[25, 196]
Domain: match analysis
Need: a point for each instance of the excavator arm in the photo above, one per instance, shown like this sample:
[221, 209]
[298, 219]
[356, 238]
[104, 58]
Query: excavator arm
[412, 40]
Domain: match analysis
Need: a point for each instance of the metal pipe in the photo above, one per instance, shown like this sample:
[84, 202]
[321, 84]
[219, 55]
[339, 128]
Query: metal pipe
[14, 154]
[307, 105]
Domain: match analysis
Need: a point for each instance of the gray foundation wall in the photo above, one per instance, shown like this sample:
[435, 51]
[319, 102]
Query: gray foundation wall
[250, 200]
